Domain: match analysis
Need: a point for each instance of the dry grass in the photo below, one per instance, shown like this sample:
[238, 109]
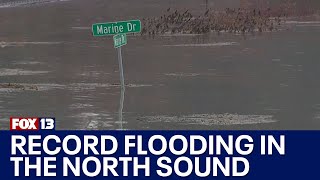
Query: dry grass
[249, 18]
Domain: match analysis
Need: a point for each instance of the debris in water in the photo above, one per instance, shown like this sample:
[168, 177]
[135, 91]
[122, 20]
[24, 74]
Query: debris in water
[18, 86]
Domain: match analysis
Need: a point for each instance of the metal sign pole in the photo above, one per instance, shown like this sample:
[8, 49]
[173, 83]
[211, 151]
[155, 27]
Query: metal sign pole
[121, 68]
[122, 88]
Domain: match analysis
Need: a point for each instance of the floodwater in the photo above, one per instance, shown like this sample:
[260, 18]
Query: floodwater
[211, 81]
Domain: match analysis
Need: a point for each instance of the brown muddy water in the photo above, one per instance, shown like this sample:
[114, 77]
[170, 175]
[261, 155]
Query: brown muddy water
[227, 81]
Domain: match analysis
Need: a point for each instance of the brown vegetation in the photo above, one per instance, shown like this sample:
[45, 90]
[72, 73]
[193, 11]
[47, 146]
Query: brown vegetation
[230, 20]
[248, 18]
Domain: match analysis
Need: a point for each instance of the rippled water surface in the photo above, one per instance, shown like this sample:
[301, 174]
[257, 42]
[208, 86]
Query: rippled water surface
[211, 81]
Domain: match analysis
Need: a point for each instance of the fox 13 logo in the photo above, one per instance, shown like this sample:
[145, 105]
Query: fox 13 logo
[32, 123]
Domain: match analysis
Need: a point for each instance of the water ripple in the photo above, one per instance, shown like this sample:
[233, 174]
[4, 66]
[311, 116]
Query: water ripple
[212, 119]
[20, 72]
[203, 45]
[26, 3]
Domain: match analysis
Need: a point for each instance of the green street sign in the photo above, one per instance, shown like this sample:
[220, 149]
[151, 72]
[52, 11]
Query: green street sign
[112, 28]
[119, 40]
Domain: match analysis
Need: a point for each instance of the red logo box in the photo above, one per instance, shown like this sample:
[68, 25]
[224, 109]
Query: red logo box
[24, 123]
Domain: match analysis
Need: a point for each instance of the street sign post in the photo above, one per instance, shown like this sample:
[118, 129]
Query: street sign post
[119, 40]
[112, 28]
[119, 30]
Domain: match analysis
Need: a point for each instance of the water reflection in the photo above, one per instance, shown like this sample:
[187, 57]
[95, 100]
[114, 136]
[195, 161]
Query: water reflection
[121, 108]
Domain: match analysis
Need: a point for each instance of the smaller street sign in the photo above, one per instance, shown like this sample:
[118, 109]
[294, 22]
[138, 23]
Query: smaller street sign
[119, 40]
